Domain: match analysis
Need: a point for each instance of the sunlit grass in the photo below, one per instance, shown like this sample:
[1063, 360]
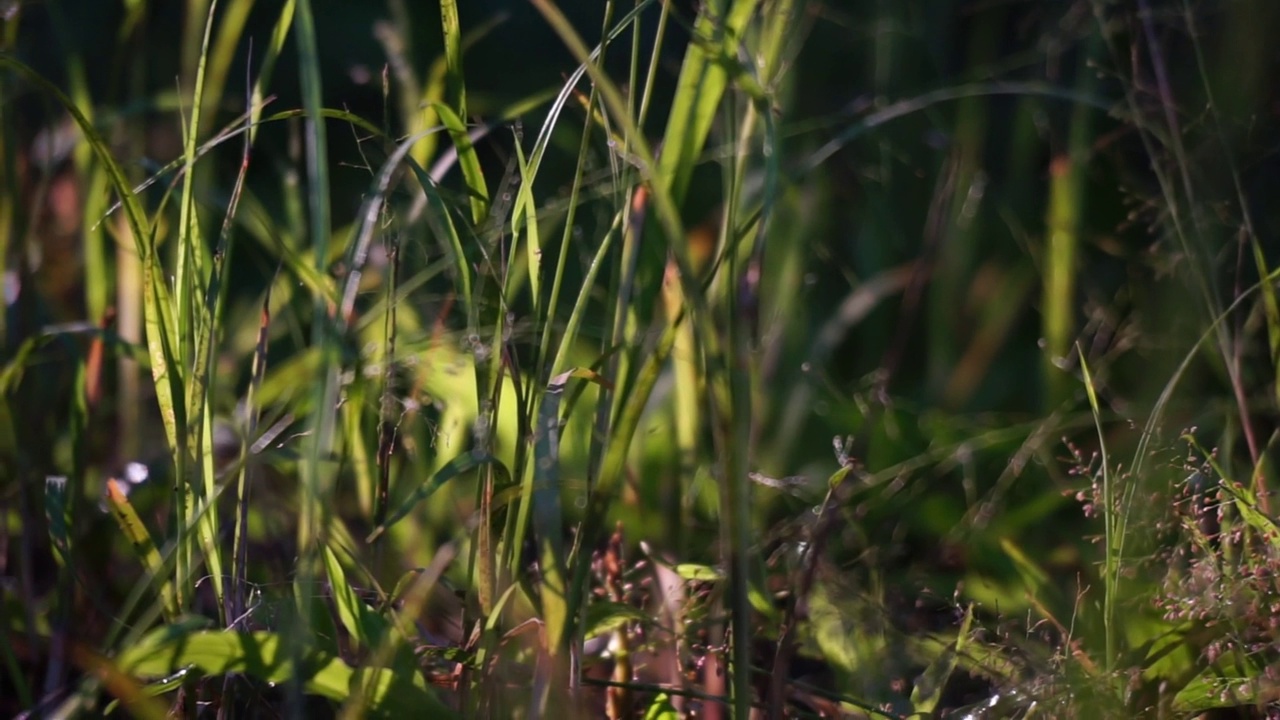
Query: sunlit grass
[510, 401]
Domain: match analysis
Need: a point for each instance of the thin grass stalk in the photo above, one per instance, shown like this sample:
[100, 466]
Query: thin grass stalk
[188, 278]
[278, 36]
[1169, 189]
[231, 25]
[158, 320]
[547, 319]
[728, 381]
[1112, 527]
[1270, 298]
[235, 607]
[704, 83]
[621, 325]
[196, 17]
[315, 481]
[316, 471]
[386, 416]
[568, 337]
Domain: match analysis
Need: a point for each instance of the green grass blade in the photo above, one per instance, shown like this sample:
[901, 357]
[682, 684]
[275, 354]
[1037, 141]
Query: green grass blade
[278, 35]
[159, 326]
[365, 627]
[458, 466]
[455, 84]
[704, 76]
[317, 475]
[140, 540]
[1112, 566]
[468, 162]
[244, 481]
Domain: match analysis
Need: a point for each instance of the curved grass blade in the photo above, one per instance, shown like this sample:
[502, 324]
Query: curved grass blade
[927, 692]
[462, 464]
[368, 222]
[699, 89]
[468, 162]
[1111, 523]
[366, 627]
[159, 325]
[445, 230]
[143, 545]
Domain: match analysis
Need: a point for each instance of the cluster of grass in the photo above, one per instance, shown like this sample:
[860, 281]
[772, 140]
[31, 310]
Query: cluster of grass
[716, 359]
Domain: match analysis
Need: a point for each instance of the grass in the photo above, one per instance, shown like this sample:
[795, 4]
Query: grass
[752, 358]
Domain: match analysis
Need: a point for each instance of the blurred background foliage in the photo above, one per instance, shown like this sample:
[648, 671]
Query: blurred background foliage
[976, 195]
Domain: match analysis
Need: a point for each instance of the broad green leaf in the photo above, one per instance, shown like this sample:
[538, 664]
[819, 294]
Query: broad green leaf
[661, 709]
[365, 627]
[698, 573]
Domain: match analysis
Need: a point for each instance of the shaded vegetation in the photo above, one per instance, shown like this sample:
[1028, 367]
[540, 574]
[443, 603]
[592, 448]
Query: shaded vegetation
[639, 359]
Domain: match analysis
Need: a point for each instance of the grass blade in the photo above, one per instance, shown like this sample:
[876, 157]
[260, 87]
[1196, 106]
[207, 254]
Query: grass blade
[139, 538]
